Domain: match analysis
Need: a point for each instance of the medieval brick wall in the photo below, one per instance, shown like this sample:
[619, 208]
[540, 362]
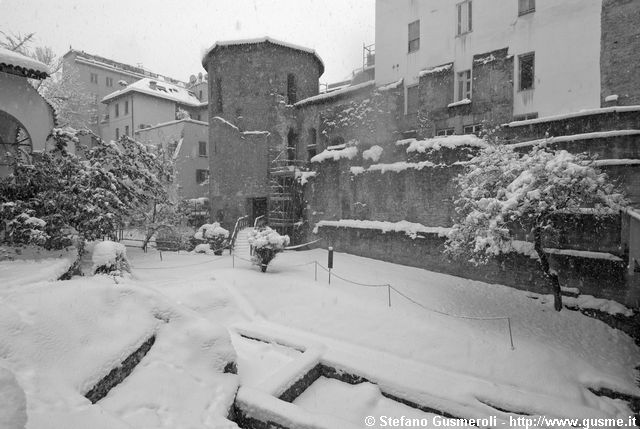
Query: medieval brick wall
[491, 100]
[619, 48]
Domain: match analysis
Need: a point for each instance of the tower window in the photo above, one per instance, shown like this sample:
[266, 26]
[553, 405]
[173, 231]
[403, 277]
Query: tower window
[218, 95]
[291, 89]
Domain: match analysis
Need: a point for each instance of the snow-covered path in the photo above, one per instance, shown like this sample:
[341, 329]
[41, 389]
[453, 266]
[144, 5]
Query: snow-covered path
[557, 355]
[464, 367]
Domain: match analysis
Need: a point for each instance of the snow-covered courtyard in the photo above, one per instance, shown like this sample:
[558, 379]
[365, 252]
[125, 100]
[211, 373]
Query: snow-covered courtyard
[440, 349]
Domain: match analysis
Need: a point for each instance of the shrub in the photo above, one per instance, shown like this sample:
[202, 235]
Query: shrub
[266, 244]
[214, 235]
[110, 258]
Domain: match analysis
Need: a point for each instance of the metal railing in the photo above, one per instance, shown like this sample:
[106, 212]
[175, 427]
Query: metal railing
[241, 223]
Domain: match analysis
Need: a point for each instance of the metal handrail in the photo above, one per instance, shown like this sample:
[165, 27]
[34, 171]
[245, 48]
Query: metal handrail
[242, 222]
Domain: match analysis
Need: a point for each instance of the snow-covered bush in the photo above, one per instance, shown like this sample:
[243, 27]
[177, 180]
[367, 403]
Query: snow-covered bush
[110, 258]
[266, 244]
[501, 187]
[202, 248]
[214, 235]
[21, 227]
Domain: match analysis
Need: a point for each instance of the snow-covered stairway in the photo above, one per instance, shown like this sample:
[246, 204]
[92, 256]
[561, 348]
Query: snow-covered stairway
[242, 248]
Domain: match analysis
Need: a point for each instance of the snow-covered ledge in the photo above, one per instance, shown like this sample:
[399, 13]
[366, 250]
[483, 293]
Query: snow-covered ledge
[462, 102]
[409, 228]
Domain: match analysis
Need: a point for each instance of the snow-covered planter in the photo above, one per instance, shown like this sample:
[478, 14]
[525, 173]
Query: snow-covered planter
[266, 244]
[110, 258]
[214, 235]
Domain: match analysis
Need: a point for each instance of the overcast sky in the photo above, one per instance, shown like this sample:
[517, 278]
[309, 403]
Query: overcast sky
[169, 36]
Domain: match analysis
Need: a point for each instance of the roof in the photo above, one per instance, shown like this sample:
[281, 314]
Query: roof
[265, 39]
[16, 63]
[326, 96]
[102, 62]
[155, 88]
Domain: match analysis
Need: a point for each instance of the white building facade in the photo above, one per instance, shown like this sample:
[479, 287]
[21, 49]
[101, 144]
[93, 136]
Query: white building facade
[552, 47]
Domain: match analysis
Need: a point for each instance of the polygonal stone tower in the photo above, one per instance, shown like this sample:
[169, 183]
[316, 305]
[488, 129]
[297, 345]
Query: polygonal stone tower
[253, 85]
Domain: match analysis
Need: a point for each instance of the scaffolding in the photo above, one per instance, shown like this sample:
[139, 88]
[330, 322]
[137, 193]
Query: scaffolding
[284, 190]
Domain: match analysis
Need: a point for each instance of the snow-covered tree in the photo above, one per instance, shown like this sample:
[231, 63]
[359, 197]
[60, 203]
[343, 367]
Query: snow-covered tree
[63, 88]
[501, 188]
[89, 198]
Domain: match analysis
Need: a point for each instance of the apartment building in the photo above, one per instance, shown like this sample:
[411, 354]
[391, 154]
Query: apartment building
[146, 103]
[101, 76]
[472, 61]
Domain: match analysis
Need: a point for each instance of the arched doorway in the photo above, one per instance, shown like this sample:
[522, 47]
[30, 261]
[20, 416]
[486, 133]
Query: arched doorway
[15, 143]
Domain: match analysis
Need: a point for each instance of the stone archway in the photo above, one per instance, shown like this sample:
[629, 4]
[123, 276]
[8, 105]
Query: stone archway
[15, 143]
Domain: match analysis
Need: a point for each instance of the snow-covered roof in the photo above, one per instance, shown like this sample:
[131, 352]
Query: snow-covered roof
[265, 39]
[586, 112]
[155, 88]
[329, 95]
[177, 121]
[16, 63]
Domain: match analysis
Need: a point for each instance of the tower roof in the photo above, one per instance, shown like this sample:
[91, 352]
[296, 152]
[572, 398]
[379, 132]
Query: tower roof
[266, 39]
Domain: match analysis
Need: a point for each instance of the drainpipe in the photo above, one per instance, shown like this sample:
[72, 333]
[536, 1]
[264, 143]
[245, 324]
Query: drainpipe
[133, 128]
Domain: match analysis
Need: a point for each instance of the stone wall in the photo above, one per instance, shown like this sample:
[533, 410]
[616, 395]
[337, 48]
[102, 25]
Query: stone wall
[367, 115]
[491, 100]
[619, 47]
[248, 79]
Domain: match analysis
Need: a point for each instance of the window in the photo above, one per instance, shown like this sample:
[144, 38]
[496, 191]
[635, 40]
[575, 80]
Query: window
[218, 95]
[291, 89]
[464, 85]
[312, 144]
[465, 17]
[414, 36]
[202, 149]
[117, 110]
[445, 132]
[292, 145]
[109, 81]
[94, 78]
[200, 95]
[117, 133]
[412, 99]
[526, 6]
[126, 107]
[473, 129]
[525, 117]
[201, 176]
[526, 71]
[126, 130]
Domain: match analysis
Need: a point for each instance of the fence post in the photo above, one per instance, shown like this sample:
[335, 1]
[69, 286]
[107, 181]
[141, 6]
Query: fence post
[510, 334]
[315, 274]
[160, 255]
[389, 290]
[233, 259]
[330, 262]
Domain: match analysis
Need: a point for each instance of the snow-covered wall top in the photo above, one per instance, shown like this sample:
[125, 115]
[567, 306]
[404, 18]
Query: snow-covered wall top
[336, 155]
[566, 79]
[436, 143]
[23, 64]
